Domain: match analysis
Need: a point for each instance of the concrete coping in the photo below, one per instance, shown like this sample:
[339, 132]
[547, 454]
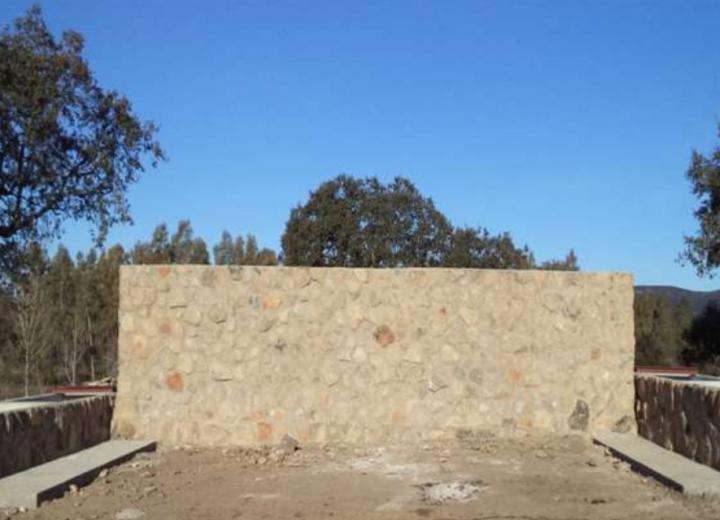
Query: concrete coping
[668, 467]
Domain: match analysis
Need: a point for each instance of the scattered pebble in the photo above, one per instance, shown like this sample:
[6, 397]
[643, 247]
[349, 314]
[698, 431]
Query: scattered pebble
[596, 501]
[148, 490]
[130, 513]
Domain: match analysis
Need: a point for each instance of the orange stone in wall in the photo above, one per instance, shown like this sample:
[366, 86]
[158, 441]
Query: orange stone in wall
[514, 376]
[174, 382]
[264, 431]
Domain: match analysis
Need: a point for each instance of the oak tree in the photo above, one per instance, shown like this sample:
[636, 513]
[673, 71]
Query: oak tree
[703, 249]
[69, 149]
[353, 222]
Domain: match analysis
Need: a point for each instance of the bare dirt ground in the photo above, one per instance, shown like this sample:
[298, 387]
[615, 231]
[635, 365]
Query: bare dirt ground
[560, 478]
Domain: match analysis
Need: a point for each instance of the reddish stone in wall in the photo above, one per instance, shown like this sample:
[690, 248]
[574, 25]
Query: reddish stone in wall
[264, 431]
[514, 376]
[174, 382]
[138, 347]
[163, 271]
[166, 328]
[384, 335]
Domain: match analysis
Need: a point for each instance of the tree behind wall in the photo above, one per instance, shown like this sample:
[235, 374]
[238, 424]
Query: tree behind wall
[180, 248]
[703, 338]
[351, 222]
[103, 357]
[242, 251]
[478, 248]
[659, 329]
[32, 314]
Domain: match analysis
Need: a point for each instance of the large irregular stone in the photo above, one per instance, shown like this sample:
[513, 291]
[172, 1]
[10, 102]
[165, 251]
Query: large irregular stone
[580, 417]
[217, 313]
[222, 372]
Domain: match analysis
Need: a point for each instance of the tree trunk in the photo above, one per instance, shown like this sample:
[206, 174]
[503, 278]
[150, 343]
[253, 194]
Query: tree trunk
[26, 374]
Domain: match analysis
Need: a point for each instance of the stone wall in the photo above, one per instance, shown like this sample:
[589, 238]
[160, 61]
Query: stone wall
[41, 433]
[224, 356]
[680, 416]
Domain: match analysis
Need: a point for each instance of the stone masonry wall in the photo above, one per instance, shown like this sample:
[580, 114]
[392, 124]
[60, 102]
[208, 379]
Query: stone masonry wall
[39, 434]
[244, 355]
[680, 416]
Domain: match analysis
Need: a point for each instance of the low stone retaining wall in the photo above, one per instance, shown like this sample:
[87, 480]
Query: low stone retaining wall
[40, 433]
[680, 416]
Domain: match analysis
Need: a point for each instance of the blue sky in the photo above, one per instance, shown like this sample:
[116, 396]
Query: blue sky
[568, 124]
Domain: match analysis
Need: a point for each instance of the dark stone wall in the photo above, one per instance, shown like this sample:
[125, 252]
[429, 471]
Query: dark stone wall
[679, 416]
[40, 434]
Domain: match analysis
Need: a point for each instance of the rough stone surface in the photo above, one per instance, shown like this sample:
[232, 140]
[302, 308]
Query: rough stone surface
[289, 444]
[39, 434]
[580, 416]
[680, 416]
[365, 356]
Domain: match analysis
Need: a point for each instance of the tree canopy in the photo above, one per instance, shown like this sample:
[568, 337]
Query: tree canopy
[478, 248]
[354, 222]
[659, 329]
[703, 338]
[180, 248]
[242, 251]
[703, 249]
[69, 149]
[351, 222]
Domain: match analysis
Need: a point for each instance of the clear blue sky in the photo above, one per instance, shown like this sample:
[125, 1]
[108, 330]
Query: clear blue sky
[568, 124]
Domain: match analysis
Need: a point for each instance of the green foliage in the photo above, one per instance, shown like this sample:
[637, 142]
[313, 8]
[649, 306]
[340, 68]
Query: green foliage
[68, 148]
[180, 248]
[703, 249]
[703, 339]
[478, 248]
[242, 251]
[350, 222]
[353, 222]
[659, 329]
[570, 263]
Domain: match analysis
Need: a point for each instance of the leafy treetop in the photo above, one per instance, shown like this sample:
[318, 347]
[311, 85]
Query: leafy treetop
[68, 148]
[351, 222]
[703, 249]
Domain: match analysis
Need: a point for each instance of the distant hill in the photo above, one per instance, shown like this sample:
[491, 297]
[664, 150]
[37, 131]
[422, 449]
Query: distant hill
[698, 299]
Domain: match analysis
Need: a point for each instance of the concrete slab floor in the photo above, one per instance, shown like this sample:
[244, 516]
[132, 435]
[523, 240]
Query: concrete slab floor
[479, 479]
